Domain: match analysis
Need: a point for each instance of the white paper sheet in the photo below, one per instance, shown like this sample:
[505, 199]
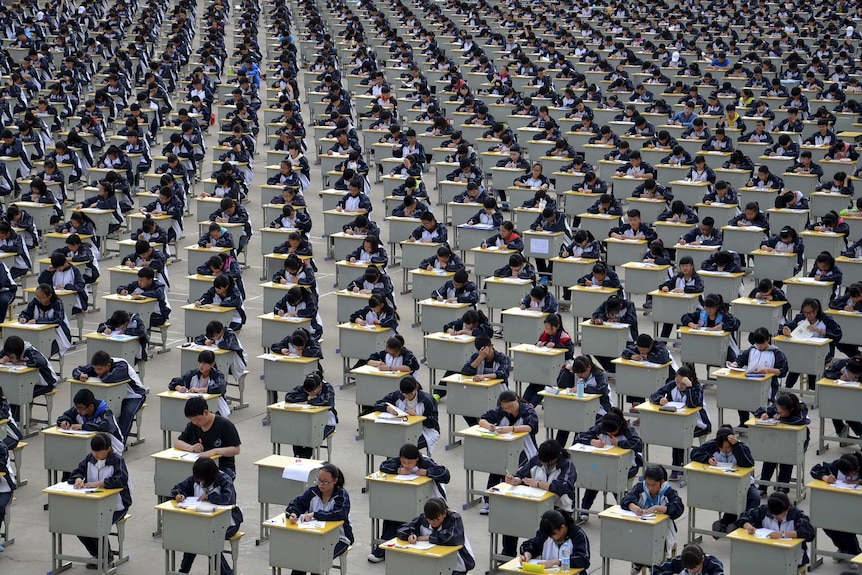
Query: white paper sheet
[408, 477]
[299, 470]
[311, 524]
[540, 245]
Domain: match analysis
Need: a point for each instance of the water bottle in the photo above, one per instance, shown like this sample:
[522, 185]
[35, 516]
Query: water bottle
[580, 387]
[565, 555]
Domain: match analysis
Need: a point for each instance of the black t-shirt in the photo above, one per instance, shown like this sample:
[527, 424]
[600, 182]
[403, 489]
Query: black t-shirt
[222, 433]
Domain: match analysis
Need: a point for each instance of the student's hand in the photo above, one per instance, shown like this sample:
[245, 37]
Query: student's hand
[292, 518]
[663, 401]
[525, 556]
[75, 426]
[712, 461]
[828, 478]
[412, 538]
[764, 416]
[775, 535]
[292, 313]
[361, 321]
[198, 304]
[79, 483]
[749, 528]
[181, 389]
[522, 306]
[64, 425]
[83, 377]
[636, 510]
[180, 498]
[597, 443]
[596, 321]
[665, 289]
[31, 321]
[678, 290]
[637, 357]
[512, 480]
[786, 331]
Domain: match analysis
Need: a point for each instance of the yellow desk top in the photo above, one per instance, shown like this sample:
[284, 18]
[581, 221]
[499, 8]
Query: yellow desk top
[185, 396]
[594, 288]
[753, 301]
[493, 249]
[608, 451]
[57, 432]
[95, 381]
[574, 260]
[714, 333]
[171, 454]
[680, 295]
[130, 298]
[728, 373]
[820, 341]
[282, 461]
[209, 307]
[717, 274]
[97, 494]
[648, 407]
[647, 266]
[514, 281]
[406, 420]
[371, 370]
[437, 551]
[752, 422]
[518, 492]
[633, 240]
[281, 522]
[534, 313]
[356, 327]
[514, 566]
[762, 252]
[820, 484]
[569, 394]
[838, 383]
[445, 304]
[808, 281]
[459, 378]
[381, 477]
[277, 285]
[476, 431]
[16, 368]
[271, 316]
[615, 513]
[605, 325]
[348, 293]
[172, 507]
[433, 272]
[30, 326]
[287, 358]
[735, 471]
[298, 407]
[641, 364]
[742, 535]
[537, 350]
[441, 336]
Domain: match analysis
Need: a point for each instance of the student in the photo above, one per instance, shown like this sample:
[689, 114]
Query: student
[458, 289]
[849, 370]
[789, 410]
[122, 322]
[208, 483]
[655, 495]
[46, 308]
[715, 316]
[761, 358]
[727, 448]
[620, 310]
[766, 290]
[488, 216]
[601, 275]
[825, 270]
[91, 414]
[445, 260]
[300, 343]
[114, 370]
[540, 299]
[64, 276]
[556, 528]
[205, 379]
[511, 415]
[209, 434]
[473, 323]
[811, 321]
[691, 560]
[224, 293]
[784, 519]
[374, 281]
[686, 280]
[583, 245]
[439, 525]
[487, 363]
[518, 267]
[377, 312]
[16, 351]
[550, 470]
[370, 252]
[225, 338]
[301, 303]
[147, 286]
[326, 501]
[395, 357]
[429, 231]
[412, 399]
[635, 229]
[13, 242]
[784, 242]
[318, 392]
[103, 468]
[8, 482]
[507, 236]
[685, 388]
[295, 271]
[410, 461]
[847, 470]
[553, 336]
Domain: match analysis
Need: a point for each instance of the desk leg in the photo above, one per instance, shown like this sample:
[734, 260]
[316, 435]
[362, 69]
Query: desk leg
[821, 443]
[471, 490]
[264, 533]
[606, 566]
[453, 443]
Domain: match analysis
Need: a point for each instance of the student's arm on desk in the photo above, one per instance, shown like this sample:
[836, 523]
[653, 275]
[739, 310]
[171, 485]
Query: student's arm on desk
[410, 530]
[450, 532]
[340, 510]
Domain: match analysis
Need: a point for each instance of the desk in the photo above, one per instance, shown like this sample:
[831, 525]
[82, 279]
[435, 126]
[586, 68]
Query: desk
[740, 391]
[297, 424]
[742, 240]
[704, 346]
[539, 365]
[852, 268]
[543, 245]
[171, 467]
[780, 443]
[823, 202]
[780, 217]
[632, 539]
[340, 244]
[773, 265]
[143, 306]
[446, 352]
[18, 383]
[603, 470]
[471, 236]
[122, 276]
[308, 550]
[816, 242]
[392, 499]
[833, 508]
[412, 254]
[669, 307]
[281, 373]
[755, 313]
[64, 451]
[620, 252]
[347, 302]
[372, 384]
[650, 208]
[836, 401]
[565, 411]
[714, 489]
[641, 278]
[803, 355]
[608, 339]
[514, 566]
[574, 202]
[273, 292]
[197, 256]
[172, 417]
[488, 260]
[600, 225]
[505, 293]
[522, 325]
[765, 556]
[851, 325]
[671, 232]
[121, 346]
[191, 531]
[673, 429]
[274, 327]
[198, 317]
[726, 284]
[272, 237]
[437, 560]
[490, 453]
[424, 283]
[385, 437]
[514, 511]
[639, 378]
[40, 335]
[435, 314]
[112, 393]
[346, 272]
[82, 514]
[359, 342]
[567, 271]
[274, 488]
[469, 398]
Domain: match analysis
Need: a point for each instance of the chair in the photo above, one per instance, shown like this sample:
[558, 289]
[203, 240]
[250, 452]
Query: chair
[6, 539]
[48, 405]
[137, 430]
[240, 384]
[341, 561]
[120, 534]
[234, 542]
[163, 331]
[18, 458]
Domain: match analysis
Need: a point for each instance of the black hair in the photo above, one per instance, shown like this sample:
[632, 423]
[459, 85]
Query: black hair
[788, 401]
[195, 405]
[691, 556]
[778, 502]
[409, 451]
[551, 450]
[334, 472]
[205, 470]
[655, 472]
[100, 442]
[84, 397]
[506, 396]
[435, 508]
[613, 421]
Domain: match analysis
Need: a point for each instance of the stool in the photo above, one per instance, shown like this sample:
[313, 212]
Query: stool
[240, 384]
[137, 430]
[5, 532]
[234, 548]
[93, 288]
[120, 534]
[80, 321]
[163, 331]
[59, 358]
[342, 561]
[327, 447]
[18, 458]
[140, 367]
[48, 405]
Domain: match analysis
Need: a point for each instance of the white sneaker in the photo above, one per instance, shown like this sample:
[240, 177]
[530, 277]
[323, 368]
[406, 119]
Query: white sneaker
[483, 298]
[372, 558]
[485, 509]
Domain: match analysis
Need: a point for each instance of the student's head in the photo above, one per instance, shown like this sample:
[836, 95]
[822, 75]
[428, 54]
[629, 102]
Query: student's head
[508, 402]
[101, 362]
[214, 329]
[472, 318]
[409, 387]
[692, 559]
[197, 411]
[429, 222]
[654, 479]
[409, 455]
[848, 464]
[13, 347]
[600, 271]
[555, 524]
[328, 478]
[146, 276]
[751, 210]
[760, 338]
[553, 323]
[435, 511]
[686, 265]
[635, 215]
[205, 471]
[824, 261]
[778, 504]
[312, 383]
[550, 452]
[644, 343]
[100, 446]
[206, 361]
[787, 404]
[394, 345]
[810, 309]
[84, 402]
[58, 261]
[613, 422]
[483, 341]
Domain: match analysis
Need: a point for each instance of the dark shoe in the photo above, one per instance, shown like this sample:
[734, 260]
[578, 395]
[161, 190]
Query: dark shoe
[784, 490]
[376, 556]
[718, 527]
[762, 491]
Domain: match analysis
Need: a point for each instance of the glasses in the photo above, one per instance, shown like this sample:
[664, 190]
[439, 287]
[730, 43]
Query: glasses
[323, 482]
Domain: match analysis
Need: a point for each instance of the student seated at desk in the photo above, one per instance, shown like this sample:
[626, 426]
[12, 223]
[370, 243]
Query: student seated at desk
[409, 461]
[768, 291]
[684, 387]
[721, 193]
[825, 270]
[727, 448]
[113, 370]
[840, 184]
[458, 289]
[792, 200]
[540, 299]
[686, 280]
[601, 275]
[715, 316]
[16, 351]
[223, 263]
[445, 260]
[849, 369]
[786, 241]
[225, 293]
[318, 392]
[678, 212]
[540, 200]
[655, 495]
[395, 357]
[216, 237]
[606, 204]
[77, 251]
[370, 252]
[614, 430]
[361, 225]
[354, 200]
[78, 223]
[411, 207]
[411, 187]
[785, 520]
[300, 302]
[225, 338]
[326, 501]
[291, 218]
[618, 310]
[412, 399]
[512, 415]
[46, 308]
[635, 229]
[209, 434]
[518, 267]
[207, 378]
[554, 337]
[146, 255]
[786, 409]
[705, 234]
[13, 242]
[473, 194]
[105, 200]
[557, 537]
[489, 215]
[811, 321]
[691, 560]
[374, 281]
[473, 323]
[377, 312]
[761, 358]
[296, 244]
[550, 470]
[591, 184]
[208, 483]
[440, 525]
[296, 271]
[64, 276]
[845, 469]
[429, 231]
[91, 414]
[103, 468]
[150, 230]
[751, 216]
